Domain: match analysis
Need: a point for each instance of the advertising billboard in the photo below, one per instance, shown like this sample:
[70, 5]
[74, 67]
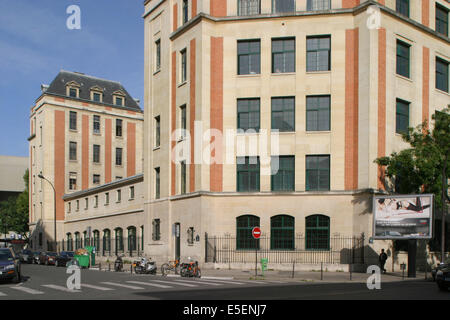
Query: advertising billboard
[403, 217]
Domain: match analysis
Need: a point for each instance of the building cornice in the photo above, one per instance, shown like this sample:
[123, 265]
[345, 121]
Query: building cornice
[90, 218]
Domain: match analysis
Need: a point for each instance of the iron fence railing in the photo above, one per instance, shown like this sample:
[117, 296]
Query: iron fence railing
[338, 250]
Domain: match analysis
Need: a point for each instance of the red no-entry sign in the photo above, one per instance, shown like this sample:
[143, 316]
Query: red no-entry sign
[256, 232]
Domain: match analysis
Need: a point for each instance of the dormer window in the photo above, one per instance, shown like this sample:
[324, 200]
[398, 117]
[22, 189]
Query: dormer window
[97, 94]
[119, 98]
[73, 89]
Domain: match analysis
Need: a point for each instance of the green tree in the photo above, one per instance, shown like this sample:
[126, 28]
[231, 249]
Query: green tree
[425, 166]
[14, 212]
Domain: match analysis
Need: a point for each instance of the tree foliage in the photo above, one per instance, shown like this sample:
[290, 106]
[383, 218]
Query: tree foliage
[14, 211]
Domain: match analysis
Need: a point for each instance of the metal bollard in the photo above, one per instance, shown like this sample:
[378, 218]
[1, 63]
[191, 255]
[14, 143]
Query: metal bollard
[321, 271]
[109, 266]
[293, 268]
[350, 266]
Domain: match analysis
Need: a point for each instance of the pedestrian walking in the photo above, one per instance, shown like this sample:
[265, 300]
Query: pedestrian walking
[382, 258]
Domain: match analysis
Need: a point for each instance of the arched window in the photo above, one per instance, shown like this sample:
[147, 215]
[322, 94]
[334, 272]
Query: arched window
[77, 241]
[69, 242]
[86, 239]
[282, 232]
[132, 239]
[142, 238]
[244, 238]
[317, 232]
[106, 240]
[96, 240]
[119, 239]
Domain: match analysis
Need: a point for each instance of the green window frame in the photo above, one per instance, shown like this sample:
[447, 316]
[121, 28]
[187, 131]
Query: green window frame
[157, 131]
[119, 239]
[96, 153]
[318, 173]
[249, 7]
[249, 56]
[283, 114]
[283, 6]
[86, 239]
[248, 179]
[318, 113]
[183, 177]
[158, 54]
[317, 232]
[132, 244]
[157, 183]
[96, 123]
[282, 232]
[119, 153]
[442, 77]
[244, 237]
[402, 7]
[183, 54]
[402, 116]
[403, 58]
[106, 240]
[69, 242]
[248, 114]
[142, 238]
[185, 11]
[183, 121]
[72, 120]
[318, 53]
[77, 241]
[118, 127]
[442, 20]
[96, 239]
[283, 55]
[317, 5]
[283, 179]
[156, 234]
[97, 97]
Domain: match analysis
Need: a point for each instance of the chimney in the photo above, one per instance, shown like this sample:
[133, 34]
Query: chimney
[44, 87]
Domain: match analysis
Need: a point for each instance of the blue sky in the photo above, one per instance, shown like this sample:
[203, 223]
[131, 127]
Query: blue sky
[35, 45]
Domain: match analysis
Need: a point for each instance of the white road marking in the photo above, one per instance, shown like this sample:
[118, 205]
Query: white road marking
[2, 294]
[27, 290]
[177, 283]
[220, 281]
[60, 288]
[122, 285]
[202, 282]
[96, 287]
[150, 284]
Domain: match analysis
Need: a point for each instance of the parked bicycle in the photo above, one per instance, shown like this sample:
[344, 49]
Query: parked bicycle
[173, 265]
[190, 269]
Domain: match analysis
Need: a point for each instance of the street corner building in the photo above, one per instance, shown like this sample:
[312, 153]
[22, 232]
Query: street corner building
[338, 81]
[85, 132]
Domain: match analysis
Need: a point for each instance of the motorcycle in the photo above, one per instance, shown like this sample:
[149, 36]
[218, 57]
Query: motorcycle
[190, 269]
[144, 266]
[118, 264]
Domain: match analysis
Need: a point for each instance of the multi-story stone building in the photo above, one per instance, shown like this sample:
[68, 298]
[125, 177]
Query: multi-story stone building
[85, 132]
[336, 81]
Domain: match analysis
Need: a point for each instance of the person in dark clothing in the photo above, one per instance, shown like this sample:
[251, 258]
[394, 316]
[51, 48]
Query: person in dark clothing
[382, 258]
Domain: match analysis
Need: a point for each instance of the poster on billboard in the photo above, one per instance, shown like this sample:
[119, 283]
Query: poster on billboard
[403, 217]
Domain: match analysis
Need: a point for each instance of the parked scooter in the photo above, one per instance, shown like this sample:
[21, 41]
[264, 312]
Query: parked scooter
[190, 269]
[144, 266]
[118, 264]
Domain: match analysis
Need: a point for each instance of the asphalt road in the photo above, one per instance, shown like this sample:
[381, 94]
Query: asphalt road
[49, 283]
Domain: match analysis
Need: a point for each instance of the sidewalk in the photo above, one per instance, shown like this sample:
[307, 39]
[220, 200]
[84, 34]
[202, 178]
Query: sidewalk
[332, 277]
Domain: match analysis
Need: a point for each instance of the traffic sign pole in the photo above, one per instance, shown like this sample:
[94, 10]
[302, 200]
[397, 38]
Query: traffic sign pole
[256, 233]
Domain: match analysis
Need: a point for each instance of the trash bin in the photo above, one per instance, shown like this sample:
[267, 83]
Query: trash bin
[91, 253]
[264, 262]
[82, 256]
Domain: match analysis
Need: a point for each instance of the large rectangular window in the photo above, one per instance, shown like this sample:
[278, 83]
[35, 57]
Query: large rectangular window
[249, 56]
[96, 179]
[318, 53]
[183, 65]
[402, 116]
[72, 181]
[442, 76]
[283, 6]
[283, 173]
[402, 7]
[442, 20]
[72, 150]
[73, 120]
[157, 131]
[156, 234]
[97, 124]
[283, 114]
[247, 174]
[249, 7]
[248, 114]
[119, 156]
[403, 58]
[96, 153]
[157, 183]
[157, 54]
[317, 5]
[118, 127]
[318, 173]
[283, 55]
[318, 113]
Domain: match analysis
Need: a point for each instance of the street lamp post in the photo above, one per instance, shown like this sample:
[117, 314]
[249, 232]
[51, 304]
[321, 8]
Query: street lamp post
[54, 205]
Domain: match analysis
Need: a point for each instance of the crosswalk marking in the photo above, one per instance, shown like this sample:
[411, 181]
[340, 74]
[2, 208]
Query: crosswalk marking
[2, 294]
[122, 285]
[150, 284]
[202, 282]
[96, 287]
[27, 290]
[60, 288]
[177, 283]
[221, 281]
